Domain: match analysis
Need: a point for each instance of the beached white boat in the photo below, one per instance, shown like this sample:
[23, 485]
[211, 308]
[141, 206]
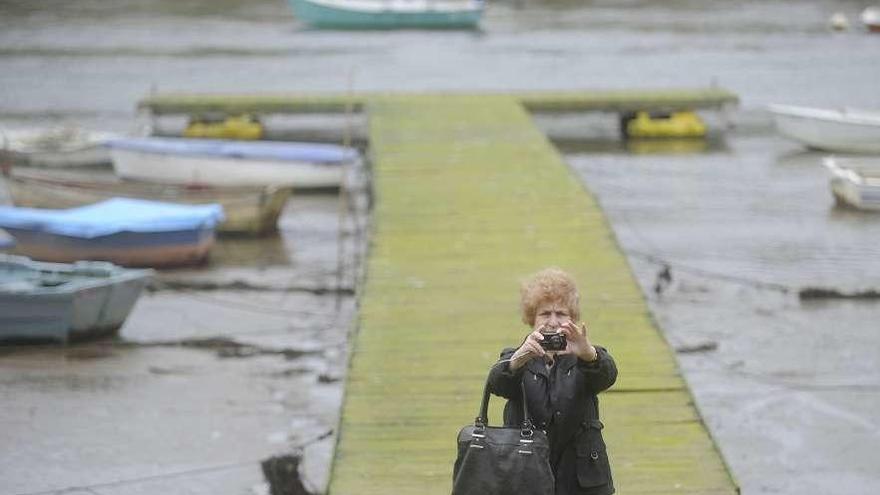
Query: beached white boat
[389, 14]
[844, 131]
[216, 162]
[57, 147]
[61, 302]
[855, 182]
[247, 210]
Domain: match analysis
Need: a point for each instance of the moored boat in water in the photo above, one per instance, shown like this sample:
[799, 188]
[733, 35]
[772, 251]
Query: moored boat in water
[124, 231]
[855, 182]
[389, 14]
[871, 18]
[218, 162]
[844, 131]
[248, 210]
[63, 302]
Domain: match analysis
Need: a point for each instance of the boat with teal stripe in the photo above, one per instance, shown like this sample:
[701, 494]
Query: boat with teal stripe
[389, 14]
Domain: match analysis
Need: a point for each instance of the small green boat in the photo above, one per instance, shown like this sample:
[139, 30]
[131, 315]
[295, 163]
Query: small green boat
[65, 302]
[389, 14]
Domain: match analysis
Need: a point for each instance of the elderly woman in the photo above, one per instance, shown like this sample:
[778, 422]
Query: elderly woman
[560, 385]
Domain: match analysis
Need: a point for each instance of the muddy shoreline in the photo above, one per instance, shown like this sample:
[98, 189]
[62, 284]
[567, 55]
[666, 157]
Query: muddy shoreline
[217, 369]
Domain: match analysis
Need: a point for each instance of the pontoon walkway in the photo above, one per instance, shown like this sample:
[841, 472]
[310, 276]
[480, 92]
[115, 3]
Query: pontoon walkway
[470, 198]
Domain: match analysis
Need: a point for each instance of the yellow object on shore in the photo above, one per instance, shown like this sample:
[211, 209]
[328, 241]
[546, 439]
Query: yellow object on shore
[672, 125]
[244, 127]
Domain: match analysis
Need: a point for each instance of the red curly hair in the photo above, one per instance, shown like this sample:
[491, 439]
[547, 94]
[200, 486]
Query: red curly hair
[550, 285]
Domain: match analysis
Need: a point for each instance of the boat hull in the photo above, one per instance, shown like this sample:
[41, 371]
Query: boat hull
[247, 210]
[95, 156]
[852, 196]
[25, 317]
[828, 130]
[348, 15]
[223, 171]
[131, 249]
[853, 184]
[45, 301]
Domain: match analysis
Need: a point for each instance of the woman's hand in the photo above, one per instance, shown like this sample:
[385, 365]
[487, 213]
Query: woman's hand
[578, 341]
[530, 349]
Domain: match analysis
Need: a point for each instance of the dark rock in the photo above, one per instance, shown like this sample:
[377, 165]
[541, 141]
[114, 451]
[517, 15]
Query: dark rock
[699, 347]
[282, 474]
[823, 293]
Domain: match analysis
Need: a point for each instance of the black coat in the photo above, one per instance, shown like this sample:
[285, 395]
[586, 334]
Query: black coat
[562, 401]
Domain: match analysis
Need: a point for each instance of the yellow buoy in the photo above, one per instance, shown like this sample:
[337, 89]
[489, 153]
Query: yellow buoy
[245, 127]
[665, 125]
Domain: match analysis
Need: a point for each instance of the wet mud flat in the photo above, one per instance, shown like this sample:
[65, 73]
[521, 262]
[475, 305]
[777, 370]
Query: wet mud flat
[217, 369]
[744, 259]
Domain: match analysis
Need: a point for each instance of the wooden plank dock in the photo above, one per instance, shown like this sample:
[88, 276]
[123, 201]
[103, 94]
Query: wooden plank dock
[536, 101]
[470, 198]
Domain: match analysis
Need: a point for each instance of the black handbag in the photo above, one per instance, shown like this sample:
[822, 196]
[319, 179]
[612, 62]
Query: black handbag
[496, 460]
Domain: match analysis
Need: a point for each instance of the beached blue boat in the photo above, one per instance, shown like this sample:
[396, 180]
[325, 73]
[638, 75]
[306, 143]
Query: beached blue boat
[64, 302]
[389, 14]
[128, 232]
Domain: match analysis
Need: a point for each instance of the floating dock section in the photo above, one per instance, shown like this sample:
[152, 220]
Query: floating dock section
[535, 101]
[471, 198]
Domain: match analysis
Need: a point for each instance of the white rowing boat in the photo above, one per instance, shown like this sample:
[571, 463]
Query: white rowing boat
[218, 162]
[843, 131]
[855, 182]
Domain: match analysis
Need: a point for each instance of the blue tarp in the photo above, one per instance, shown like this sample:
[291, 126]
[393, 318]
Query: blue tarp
[113, 216]
[255, 150]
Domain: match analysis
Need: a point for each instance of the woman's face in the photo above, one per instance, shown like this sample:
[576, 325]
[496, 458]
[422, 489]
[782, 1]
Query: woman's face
[550, 316]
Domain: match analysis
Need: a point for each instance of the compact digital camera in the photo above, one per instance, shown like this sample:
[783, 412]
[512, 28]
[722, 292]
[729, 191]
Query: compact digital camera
[553, 341]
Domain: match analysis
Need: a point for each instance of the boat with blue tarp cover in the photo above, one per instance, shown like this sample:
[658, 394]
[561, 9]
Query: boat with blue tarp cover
[389, 14]
[128, 232]
[64, 302]
[226, 162]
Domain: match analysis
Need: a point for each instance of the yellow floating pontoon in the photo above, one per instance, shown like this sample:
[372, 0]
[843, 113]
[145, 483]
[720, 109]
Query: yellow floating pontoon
[245, 127]
[663, 125]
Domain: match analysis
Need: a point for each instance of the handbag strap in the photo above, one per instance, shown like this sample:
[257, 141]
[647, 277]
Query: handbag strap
[482, 419]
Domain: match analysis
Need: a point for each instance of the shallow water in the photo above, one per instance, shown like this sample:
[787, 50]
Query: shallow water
[792, 390]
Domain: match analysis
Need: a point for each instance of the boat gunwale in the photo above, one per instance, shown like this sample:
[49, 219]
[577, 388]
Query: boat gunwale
[137, 145]
[84, 281]
[824, 114]
[224, 194]
[860, 176]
